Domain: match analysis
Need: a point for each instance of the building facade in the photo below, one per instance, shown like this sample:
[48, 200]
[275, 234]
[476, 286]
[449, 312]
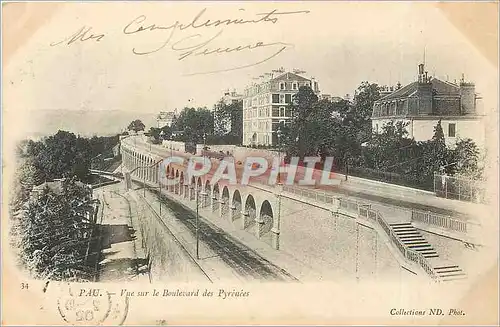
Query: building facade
[266, 105]
[231, 97]
[166, 118]
[421, 104]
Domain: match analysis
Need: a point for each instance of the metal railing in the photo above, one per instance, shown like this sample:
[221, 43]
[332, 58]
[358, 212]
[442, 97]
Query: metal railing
[320, 196]
[364, 211]
[439, 220]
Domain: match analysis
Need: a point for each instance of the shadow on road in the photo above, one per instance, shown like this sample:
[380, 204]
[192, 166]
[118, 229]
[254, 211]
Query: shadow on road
[120, 268]
[111, 234]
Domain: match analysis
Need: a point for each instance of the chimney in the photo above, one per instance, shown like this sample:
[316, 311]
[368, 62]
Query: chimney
[467, 97]
[420, 69]
[421, 73]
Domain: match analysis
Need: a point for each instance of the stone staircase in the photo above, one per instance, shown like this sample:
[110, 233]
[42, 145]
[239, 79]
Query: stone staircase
[414, 240]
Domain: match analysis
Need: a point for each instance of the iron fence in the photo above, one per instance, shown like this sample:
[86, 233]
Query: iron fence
[459, 188]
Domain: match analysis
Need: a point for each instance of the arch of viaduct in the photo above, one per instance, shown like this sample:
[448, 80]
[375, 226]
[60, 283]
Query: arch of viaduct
[252, 209]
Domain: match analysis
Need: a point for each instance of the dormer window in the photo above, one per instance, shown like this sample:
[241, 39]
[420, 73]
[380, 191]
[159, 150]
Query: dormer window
[282, 85]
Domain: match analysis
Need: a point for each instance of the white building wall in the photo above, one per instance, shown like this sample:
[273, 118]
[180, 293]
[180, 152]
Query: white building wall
[423, 129]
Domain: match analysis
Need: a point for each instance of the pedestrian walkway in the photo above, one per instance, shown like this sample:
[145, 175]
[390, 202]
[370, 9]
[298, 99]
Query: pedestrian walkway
[122, 258]
[395, 195]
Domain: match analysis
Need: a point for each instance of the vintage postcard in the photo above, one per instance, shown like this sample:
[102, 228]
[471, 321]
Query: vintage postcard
[213, 162]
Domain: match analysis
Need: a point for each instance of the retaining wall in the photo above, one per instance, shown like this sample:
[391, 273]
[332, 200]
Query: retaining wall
[169, 261]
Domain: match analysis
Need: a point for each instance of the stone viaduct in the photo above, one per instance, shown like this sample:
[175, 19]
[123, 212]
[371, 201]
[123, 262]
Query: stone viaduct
[252, 208]
[311, 230]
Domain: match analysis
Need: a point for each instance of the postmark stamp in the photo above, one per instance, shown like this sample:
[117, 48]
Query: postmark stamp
[92, 307]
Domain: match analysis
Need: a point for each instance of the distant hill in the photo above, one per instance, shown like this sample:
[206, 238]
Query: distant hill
[85, 123]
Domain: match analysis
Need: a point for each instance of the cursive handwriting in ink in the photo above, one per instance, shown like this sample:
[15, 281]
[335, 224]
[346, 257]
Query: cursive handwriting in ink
[201, 49]
[82, 35]
[137, 26]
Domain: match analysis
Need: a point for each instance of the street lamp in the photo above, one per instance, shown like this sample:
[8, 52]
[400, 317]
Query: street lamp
[198, 193]
[279, 134]
[144, 167]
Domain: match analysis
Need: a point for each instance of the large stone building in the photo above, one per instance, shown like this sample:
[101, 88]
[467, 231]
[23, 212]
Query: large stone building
[421, 104]
[266, 104]
[166, 118]
[231, 97]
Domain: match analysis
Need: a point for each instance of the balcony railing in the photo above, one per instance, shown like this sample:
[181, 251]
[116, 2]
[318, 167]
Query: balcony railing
[439, 220]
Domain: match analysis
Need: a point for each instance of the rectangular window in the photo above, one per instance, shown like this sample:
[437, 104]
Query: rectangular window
[288, 98]
[282, 98]
[289, 112]
[276, 98]
[276, 112]
[294, 86]
[282, 111]
[451, 130]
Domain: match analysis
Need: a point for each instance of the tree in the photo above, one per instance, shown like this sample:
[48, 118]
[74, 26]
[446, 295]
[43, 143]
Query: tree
[64, 155]
[54, 232]
[466, 157]
[438, 153]
[362, 107]
[228, 120]
[136, 125]
[154, 132]
[222, 118]
[301, 108]
[388, 150]
[195, 123]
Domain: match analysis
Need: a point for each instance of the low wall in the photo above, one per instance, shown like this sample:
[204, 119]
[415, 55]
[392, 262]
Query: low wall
[174, 145]
[238, 152]
[169, 261]
[358, 181]
[241, 153]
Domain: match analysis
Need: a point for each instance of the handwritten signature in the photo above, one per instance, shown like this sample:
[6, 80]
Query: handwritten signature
[83, 34]
[138, 26]
[200, 49]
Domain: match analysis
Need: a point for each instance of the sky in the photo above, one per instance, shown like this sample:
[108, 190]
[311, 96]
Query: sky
[339, 44]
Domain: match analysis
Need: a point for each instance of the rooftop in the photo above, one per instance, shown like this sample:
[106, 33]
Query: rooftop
[166, 115]
[440, 88]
